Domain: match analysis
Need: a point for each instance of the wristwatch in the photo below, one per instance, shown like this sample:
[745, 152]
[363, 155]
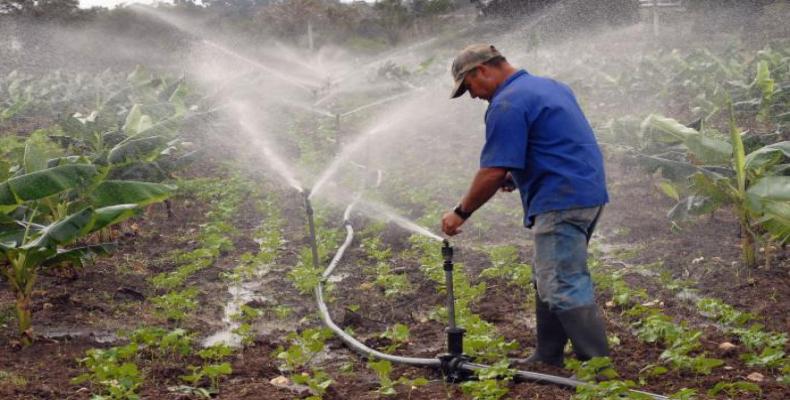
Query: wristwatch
[461, 213]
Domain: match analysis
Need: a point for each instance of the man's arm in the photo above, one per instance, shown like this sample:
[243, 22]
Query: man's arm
[484, 185]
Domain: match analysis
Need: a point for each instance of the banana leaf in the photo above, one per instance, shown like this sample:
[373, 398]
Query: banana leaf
[113, 192]
[77, 254]
[139, 171]
[136, 121]
[64, 231]
[764, 82]
[134, 149]
[44, 183]
[776, 220]
[713, 186]
[706, 149]
[35, 158]
[768, 156]
[767, 189]
[692, 206]
[112, 215]
[79, 224]
[5, 168]
[54, 162]
[670, 169]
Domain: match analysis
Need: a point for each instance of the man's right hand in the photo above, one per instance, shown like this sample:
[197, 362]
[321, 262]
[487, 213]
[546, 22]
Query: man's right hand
[451, 222]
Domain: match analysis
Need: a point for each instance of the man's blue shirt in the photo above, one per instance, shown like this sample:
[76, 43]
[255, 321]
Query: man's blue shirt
[536, 129]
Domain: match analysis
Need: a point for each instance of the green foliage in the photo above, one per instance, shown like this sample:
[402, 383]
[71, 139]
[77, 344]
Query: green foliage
[398, 334]
[755, 338]
[723, 313]
[491, 384]
[734, 388]
[159, 342]
[770, 357]
[224, 197]
[593, 369]
[505, 260]
[684, 394]
[303, 348]
[305, 276]
[659, 328]
[212, 372]
[113, 371]
[383, 368]
[601, 368]
[318, 382]
[175, 305]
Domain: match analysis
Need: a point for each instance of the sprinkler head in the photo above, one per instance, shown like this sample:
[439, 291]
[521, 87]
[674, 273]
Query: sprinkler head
[308, 207]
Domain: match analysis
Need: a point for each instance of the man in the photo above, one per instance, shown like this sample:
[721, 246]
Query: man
[538, 139]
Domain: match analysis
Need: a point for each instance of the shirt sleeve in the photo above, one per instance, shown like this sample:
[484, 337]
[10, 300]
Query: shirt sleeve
[506, 137]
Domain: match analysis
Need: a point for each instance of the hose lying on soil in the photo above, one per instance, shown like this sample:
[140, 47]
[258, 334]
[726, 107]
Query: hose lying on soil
[366, 351]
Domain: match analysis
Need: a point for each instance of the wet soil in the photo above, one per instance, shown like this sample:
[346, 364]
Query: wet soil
[83, 310]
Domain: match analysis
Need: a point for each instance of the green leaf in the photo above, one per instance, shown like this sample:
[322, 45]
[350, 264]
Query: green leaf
[136, 121]
[768, 189]
[768, 156]
[112, 215]
[134, 149]
[130, 192]
[776, 220]
[35, 158]
[763, 81]
[76, 254]
[691, 205]
[669, 189]
[709, 150]
[64, 231]
[706, 149]
[44, 183]
[178, 99]
[738, 153]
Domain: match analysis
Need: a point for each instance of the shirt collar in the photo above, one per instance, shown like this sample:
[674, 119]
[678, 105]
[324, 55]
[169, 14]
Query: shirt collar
[507, 81]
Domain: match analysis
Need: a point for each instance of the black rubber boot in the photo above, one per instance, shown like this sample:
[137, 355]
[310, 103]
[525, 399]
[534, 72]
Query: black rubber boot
[587, 332]
[551, 337]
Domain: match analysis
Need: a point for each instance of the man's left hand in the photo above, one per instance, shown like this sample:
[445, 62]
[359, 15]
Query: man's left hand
[451, 222]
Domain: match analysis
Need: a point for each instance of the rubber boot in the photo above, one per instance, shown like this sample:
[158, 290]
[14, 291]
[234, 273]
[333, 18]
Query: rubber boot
[587, 332]
[551, 338]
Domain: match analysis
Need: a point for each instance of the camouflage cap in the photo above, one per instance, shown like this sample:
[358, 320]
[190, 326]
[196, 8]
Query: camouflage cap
[467, 60]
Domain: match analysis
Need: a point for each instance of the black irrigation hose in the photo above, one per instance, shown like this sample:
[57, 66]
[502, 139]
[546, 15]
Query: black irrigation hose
[365, 351]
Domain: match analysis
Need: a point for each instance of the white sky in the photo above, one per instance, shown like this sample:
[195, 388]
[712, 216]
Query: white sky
[113, 3]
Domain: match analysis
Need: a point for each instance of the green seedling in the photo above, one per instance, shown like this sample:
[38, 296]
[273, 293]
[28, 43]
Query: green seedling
[732, 389]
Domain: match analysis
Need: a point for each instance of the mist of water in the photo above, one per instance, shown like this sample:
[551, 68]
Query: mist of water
[385, 213]
[241, 113]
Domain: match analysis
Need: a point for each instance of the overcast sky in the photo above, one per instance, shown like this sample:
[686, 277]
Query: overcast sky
[113, 3]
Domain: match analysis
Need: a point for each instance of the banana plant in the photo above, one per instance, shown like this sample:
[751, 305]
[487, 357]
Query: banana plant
[46, 213]
[720, 173]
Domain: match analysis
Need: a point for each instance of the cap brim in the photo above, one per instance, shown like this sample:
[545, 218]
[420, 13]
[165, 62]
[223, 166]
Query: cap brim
[459, 89]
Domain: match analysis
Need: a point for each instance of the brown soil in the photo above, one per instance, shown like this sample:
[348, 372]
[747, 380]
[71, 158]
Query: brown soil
[78, 311]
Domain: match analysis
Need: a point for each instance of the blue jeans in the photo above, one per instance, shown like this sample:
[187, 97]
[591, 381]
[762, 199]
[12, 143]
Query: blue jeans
[560, 263]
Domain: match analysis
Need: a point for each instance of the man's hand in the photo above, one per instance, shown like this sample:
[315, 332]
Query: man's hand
[451, 222]
[509, 184]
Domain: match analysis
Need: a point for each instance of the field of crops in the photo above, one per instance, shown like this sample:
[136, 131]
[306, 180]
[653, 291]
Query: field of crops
[154, 241]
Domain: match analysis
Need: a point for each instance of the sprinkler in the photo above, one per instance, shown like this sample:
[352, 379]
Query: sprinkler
[454, 364]
[311, 224]
[452, 360]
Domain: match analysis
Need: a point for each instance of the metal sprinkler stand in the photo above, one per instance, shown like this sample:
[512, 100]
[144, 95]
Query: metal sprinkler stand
[311, 223]
[452, 361]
